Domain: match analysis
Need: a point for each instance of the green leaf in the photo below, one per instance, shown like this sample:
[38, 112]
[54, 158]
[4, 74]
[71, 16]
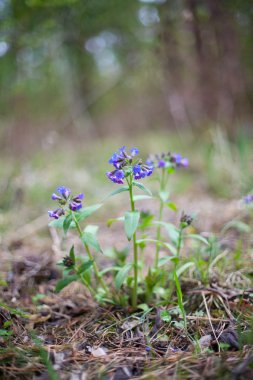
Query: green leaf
[237, 224]
[141, 197]
[131, 223]
[144, 307]
[66, 223]
[169, 246]
[142, 187]
[111, 221]
[91, 240]
[109, 269]
[164, 195]
[184, 267]
[64, 282]
[164, 260]
[172, 206]
[179, 296]
[80, 215]
[197, 237]
[85, 266]
[87, 211]
[165, 316]
[72, 254]
[7, 324]
[171, 230]
[4, 332]
[92, 228]
[118, 191]
[57, 223]
[14, 311]
[121, 275]
[175, 260]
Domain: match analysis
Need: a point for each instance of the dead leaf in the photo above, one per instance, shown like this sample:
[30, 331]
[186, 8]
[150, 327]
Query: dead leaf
[130, 324]
[203, 342]
[98, 352]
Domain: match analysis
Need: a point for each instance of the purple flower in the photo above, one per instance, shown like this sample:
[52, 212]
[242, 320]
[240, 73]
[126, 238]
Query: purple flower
[136, 169]
[169, 160]
[65, 199]
[55, 197]
[134, 151]
[148, 169]
[118, 160]
[138, 173]
[161, 164]
[248, 198]
[76, 203]
[56, 213]
[125, 165]
[74, 206]
[179, 160]
[78, 198]
[150, 162]
[176, 157]
[121, 159]
[142, 171]
[184, 162]
[116, 176]
[122, 149]
[64, 191]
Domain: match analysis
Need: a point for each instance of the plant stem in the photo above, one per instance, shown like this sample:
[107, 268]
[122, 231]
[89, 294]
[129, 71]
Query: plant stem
[94, 264]
[176, 279]
[179, 242]
[135, 263]
[158, 231]
[92, 292]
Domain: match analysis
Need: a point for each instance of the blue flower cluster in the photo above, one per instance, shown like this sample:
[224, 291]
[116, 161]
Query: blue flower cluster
[125, 165]
[74, 203]
[174, 160]
[248, 199]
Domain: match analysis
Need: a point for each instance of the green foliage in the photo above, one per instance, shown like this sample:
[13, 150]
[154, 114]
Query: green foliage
[14, 311]
[142, 187]
[122, 274]
[90, 240]
[165, 316]
[84, 267]
[118, 191]
[72, 254]
[131, 223]
[65, 282]
[66, 222]
[178, 255]
[45, 358]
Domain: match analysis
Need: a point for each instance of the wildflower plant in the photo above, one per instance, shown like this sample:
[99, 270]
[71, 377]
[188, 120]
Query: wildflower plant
[128, 169]
[166, 164]
[158, 285]
[69, 213]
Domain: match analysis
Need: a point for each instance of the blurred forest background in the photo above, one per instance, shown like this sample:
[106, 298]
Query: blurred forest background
[92, 71]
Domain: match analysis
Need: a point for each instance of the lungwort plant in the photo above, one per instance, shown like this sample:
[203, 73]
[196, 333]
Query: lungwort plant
[129, 169]
[129, 281]
[69, 213]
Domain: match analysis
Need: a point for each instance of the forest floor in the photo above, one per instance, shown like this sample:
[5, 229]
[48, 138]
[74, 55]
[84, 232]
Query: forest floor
[68, 336]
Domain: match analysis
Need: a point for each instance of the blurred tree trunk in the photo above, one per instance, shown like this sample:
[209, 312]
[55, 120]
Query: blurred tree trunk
[205, 63]
[229, 71]
[173, 65]
[213, 88]
[221, 82]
